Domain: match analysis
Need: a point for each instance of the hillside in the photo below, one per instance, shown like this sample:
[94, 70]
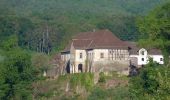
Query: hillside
[32, 32]
[97, 7]
[61, 19]
[81, 87]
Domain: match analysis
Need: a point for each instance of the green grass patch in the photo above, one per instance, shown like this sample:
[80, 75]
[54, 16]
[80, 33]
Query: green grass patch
[82, 87]
[117, 93]
[82, 79]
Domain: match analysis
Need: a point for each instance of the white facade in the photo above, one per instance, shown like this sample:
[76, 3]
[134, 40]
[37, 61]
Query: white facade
[97, 53]
[143, 57]
[80, 56]
[102, 50]
[82, 60]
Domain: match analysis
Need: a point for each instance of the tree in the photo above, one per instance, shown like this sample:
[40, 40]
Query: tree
[41, 62]
[16, 72]
[156, 26]
[153, 82]
[10, 43]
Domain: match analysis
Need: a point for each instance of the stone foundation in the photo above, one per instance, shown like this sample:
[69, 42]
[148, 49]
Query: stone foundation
[121, 67]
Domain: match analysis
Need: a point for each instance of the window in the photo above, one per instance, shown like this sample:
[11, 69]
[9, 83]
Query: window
[110, 52]
[143, 52]
[143, 59]
[81, 55]
[161, 59]
[101, 55]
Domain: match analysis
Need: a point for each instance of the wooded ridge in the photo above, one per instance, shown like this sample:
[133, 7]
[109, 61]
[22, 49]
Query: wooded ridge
[44, 26]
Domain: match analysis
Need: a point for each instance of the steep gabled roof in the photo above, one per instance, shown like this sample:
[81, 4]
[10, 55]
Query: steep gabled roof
[155, 51]
[133, 47]
[81, 43]
[102, 39]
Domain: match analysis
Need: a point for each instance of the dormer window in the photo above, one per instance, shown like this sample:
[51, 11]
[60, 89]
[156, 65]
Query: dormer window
[81, 55]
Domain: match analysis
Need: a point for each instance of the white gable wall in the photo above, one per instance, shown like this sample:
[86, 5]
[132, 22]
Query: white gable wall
[143, 59]
[95, 57]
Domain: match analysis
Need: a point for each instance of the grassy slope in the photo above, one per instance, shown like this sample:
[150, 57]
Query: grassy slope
[81, 87]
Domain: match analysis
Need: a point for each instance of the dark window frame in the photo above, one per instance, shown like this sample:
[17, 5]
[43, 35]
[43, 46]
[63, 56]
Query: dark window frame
[143, 59]
[142, 52]
[101, 55]
[81, 56]
[161, 59]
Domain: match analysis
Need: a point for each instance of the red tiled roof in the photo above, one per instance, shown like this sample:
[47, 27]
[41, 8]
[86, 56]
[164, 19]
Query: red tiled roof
[81, 44]
[102, 39]
[155, 52]
[134, 49]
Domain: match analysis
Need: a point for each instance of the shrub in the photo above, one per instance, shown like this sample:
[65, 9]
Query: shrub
[102, 78]
[98, 94]
[117, 93]
[82, 79]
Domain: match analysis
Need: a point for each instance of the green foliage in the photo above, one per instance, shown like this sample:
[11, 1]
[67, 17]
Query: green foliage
[83, 79]
[17, 75]
[157, 27]
[110, 94]
[1, 58]
[98, 94]
[127, 24]
[10, 43]
[102, 78]
[152, 83]
[41, 62]
[80, 87]
[45, 26]
[16, 72]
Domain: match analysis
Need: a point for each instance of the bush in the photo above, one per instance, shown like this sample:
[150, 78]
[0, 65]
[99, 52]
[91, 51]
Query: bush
[102, 78]
[82, 79]
[98, 94]
[118, 93]
[152, 83]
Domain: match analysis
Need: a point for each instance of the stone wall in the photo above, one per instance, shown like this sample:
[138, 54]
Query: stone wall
[107, 66]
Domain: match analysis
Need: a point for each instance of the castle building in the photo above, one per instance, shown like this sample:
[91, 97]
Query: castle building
[102, 51]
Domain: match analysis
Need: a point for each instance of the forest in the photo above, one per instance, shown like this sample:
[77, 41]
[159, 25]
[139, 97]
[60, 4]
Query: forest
[33, 31]
[46, 26]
